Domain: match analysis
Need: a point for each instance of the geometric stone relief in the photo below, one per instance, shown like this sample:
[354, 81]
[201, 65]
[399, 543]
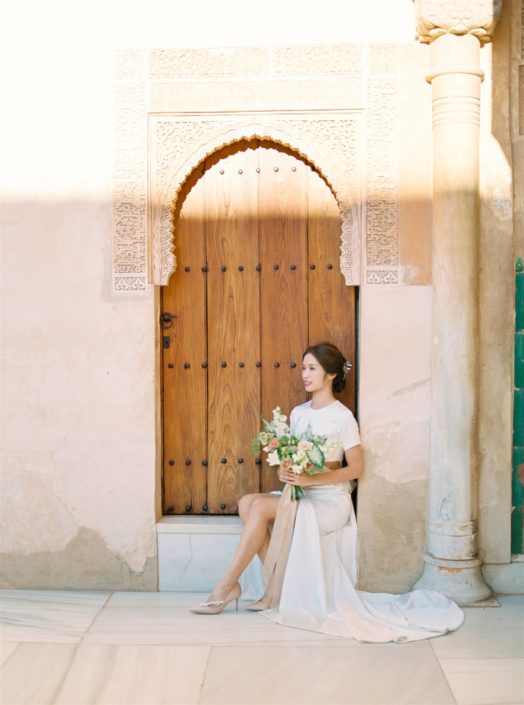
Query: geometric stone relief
[129, 201]
[178, 144]
[254, 62]
[353, 145]
[383, 155]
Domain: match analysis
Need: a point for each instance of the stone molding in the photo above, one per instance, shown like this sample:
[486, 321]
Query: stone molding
[437, 17]
[129, 194]
[382, 180]
[161, 136]
[180, 143]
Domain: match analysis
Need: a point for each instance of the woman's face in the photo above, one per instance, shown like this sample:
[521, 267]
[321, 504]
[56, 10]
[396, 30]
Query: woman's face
[314, 376]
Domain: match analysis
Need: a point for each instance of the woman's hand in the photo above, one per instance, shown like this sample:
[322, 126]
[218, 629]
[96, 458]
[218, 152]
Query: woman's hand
[330, 475]
[292, 478]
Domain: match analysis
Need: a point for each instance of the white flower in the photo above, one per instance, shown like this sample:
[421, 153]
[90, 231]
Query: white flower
[305, 445]
[278, 424]
[333, 445]
[297, 469]
[278, 416]
[273, 458]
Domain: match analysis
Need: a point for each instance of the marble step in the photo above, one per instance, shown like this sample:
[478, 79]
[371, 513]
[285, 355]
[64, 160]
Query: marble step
[193, 551]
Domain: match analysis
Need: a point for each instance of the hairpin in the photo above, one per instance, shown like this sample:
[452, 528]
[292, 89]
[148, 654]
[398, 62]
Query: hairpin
[347, 367]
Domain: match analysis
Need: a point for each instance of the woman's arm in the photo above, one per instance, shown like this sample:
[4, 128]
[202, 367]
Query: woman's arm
[355, 461]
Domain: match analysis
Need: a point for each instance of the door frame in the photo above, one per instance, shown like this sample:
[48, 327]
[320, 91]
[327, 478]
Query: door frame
[176, 207]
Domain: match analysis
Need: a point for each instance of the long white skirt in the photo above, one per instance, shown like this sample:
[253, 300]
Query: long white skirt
[318, 590]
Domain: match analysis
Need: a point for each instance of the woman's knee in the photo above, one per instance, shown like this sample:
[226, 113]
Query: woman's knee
[244, 505]
[263, 507]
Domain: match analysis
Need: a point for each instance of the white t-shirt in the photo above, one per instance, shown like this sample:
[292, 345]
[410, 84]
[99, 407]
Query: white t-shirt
[335, 421]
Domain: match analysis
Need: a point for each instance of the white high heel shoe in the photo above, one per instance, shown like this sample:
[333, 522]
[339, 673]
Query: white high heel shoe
[217, 606]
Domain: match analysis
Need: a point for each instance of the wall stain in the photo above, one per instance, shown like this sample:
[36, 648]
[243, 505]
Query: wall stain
[410, 387]
[85, 563]
[392, 533]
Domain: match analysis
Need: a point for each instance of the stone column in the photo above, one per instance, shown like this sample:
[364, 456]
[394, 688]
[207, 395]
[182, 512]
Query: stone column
[455, 32]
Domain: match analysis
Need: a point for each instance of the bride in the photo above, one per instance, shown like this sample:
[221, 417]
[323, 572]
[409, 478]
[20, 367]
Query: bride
[310, 556]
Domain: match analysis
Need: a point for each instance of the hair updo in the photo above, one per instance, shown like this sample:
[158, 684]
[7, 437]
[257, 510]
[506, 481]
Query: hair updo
[332, 361]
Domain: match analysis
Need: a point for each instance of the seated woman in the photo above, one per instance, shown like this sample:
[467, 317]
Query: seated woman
[310, 556]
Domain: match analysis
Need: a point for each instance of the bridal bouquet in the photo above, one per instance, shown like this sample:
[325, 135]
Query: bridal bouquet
[300, 454]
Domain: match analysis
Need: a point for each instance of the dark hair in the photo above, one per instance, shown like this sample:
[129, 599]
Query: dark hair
[331, 360]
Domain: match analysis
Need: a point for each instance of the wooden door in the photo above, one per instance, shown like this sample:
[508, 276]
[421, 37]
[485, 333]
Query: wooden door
[258, 279]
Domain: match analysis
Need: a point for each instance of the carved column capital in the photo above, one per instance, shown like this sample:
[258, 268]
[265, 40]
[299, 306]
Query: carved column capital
[437, 17]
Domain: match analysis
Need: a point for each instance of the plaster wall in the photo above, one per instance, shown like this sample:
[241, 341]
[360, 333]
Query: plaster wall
[78, 404]
[395, 387]
[80, 434]
[496, 295]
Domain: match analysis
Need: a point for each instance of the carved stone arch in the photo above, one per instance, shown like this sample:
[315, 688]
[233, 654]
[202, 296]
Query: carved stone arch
[328, 145]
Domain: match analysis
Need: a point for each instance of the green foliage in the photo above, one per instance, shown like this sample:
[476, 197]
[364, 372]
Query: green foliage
[316, 457]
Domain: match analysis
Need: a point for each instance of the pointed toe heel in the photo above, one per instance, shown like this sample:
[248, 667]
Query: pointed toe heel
[218, 606]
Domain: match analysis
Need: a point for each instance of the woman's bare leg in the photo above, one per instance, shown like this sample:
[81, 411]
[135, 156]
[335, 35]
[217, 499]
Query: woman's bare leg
[244, 509]
[262, 511]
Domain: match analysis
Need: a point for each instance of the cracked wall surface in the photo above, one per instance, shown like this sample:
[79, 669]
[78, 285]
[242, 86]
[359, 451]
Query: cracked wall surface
[85, 561]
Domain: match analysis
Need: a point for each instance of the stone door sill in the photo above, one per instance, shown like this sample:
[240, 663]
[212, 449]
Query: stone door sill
[199, 525]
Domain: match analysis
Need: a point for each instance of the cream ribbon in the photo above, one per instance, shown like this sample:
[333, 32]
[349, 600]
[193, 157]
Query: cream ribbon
[280, 543]
[278, 549]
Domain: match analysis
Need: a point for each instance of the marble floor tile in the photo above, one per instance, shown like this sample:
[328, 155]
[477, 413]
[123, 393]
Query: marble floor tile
[48, 615]
[164, 625]
[34, 672]
[494, 681]
[371, 674]
[6, 649]
[154, 599]
[164, 618]
[134, 675]
[490, 632]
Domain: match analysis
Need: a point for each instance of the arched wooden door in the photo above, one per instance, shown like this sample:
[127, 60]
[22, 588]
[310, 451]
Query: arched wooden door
[257, 280]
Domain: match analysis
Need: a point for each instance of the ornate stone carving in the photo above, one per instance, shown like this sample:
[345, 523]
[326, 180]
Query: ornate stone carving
[328, 143]
[383, 152]
[353, 151]
[382, 276]
[238, 62]
[130, 64]
[175, 64]
[311, 60]
[129, 202]
[437, 17]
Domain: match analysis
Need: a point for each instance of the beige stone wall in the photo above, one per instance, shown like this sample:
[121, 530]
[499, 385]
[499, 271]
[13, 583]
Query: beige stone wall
[78, 481]
[497, 308]
[80, 430]
[395, 364]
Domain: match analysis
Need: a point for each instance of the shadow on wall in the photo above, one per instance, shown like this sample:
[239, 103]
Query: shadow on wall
[87, 385]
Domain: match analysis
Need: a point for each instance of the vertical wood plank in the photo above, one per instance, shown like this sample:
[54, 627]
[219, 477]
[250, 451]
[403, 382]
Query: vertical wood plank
[184, 378]
[267, 208]
[331, 302]
[283, 292]
[233, 328]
